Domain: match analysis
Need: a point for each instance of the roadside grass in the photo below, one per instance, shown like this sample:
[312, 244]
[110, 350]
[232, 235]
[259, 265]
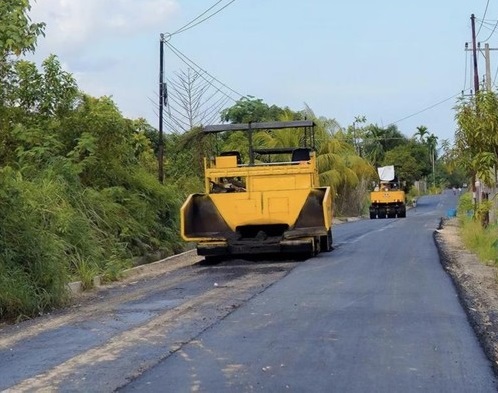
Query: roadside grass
[481, 241]
[55, 230]
[412, 195]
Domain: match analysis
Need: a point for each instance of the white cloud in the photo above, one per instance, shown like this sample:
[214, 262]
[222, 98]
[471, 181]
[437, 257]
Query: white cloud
[109, 46]
[72, 24]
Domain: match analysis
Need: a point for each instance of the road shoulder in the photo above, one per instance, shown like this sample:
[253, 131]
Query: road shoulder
[476, 284]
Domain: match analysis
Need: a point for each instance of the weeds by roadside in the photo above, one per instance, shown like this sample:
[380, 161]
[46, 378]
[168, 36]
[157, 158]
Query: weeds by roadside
[483, 241]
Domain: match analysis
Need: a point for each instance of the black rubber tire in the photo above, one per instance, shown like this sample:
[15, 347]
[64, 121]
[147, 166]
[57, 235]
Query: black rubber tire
[326, 242]
[212, 259]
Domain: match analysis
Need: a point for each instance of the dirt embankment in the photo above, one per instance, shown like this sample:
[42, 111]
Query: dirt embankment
[476, 283]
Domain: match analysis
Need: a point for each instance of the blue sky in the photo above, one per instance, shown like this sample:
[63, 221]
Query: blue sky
[386, 60]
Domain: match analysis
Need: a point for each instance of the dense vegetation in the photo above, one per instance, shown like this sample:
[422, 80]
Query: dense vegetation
[476, 153]
[481, 240]
[79, 194]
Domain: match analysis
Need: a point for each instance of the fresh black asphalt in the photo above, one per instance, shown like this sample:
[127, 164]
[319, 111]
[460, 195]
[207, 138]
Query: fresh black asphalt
[377, 314]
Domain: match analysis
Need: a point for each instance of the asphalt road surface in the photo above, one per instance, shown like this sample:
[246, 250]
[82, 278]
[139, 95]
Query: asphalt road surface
[377, 314]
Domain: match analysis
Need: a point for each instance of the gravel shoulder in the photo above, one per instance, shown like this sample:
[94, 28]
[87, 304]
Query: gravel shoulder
[476, 284]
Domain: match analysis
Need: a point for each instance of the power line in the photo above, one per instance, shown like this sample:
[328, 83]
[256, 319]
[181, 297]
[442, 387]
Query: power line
[215, 108]
[487, 23]
[426, 109]
[191, 24]
[189, 62]
[193, 20]
[165, 121]
[195, 110]
[489, 27]
[492, 32]
[483, 17]
[496, 74]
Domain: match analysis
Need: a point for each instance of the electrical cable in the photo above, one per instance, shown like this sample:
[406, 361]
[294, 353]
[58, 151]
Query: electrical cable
[198, 109]
[194, 92]
[156, 105]
[488, 24]
[189, 25]
[494, 79]
[173, 124]
[182, 57]
[209, 99]
[425, 109]
[180, 121]
[492, 32]
[215, 107]
[211, 119]
[193, 20]
[483, 17]
[175, 100]
[164, 119]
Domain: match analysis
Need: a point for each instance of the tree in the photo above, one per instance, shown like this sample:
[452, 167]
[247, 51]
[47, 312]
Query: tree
[432, 144]
[325, 128]
[251, 109]
[475, 140]
[476, 143]
[373, 149]
[18, 35]
[52, 92]
[421, 133]
[407, 164]
[377, 141]
[348, 174]
[192, 101]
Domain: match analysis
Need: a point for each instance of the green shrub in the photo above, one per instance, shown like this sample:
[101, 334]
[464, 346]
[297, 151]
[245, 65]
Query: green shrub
[482, 241]
[465, 205]
[412, 195]
[32, 257]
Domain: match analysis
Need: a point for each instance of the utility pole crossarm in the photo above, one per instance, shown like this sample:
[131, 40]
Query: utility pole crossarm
[487, 58]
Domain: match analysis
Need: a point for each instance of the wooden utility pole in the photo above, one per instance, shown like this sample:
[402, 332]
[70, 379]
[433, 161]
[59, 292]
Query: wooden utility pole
[474, 53]
[161, 105]
[475, 181]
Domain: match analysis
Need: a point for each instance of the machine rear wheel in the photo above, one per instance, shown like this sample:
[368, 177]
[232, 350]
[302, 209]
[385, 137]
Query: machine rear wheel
[373, 215]
[326, 242]
[212, 259]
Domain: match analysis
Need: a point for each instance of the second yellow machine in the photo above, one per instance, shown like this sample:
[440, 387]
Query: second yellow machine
[388, 200]
[272, 204]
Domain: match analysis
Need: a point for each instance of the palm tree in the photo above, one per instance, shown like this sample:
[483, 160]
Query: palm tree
[445, 146]
[432, 144]
[421, 133]
[348, 174]
[374, 149]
